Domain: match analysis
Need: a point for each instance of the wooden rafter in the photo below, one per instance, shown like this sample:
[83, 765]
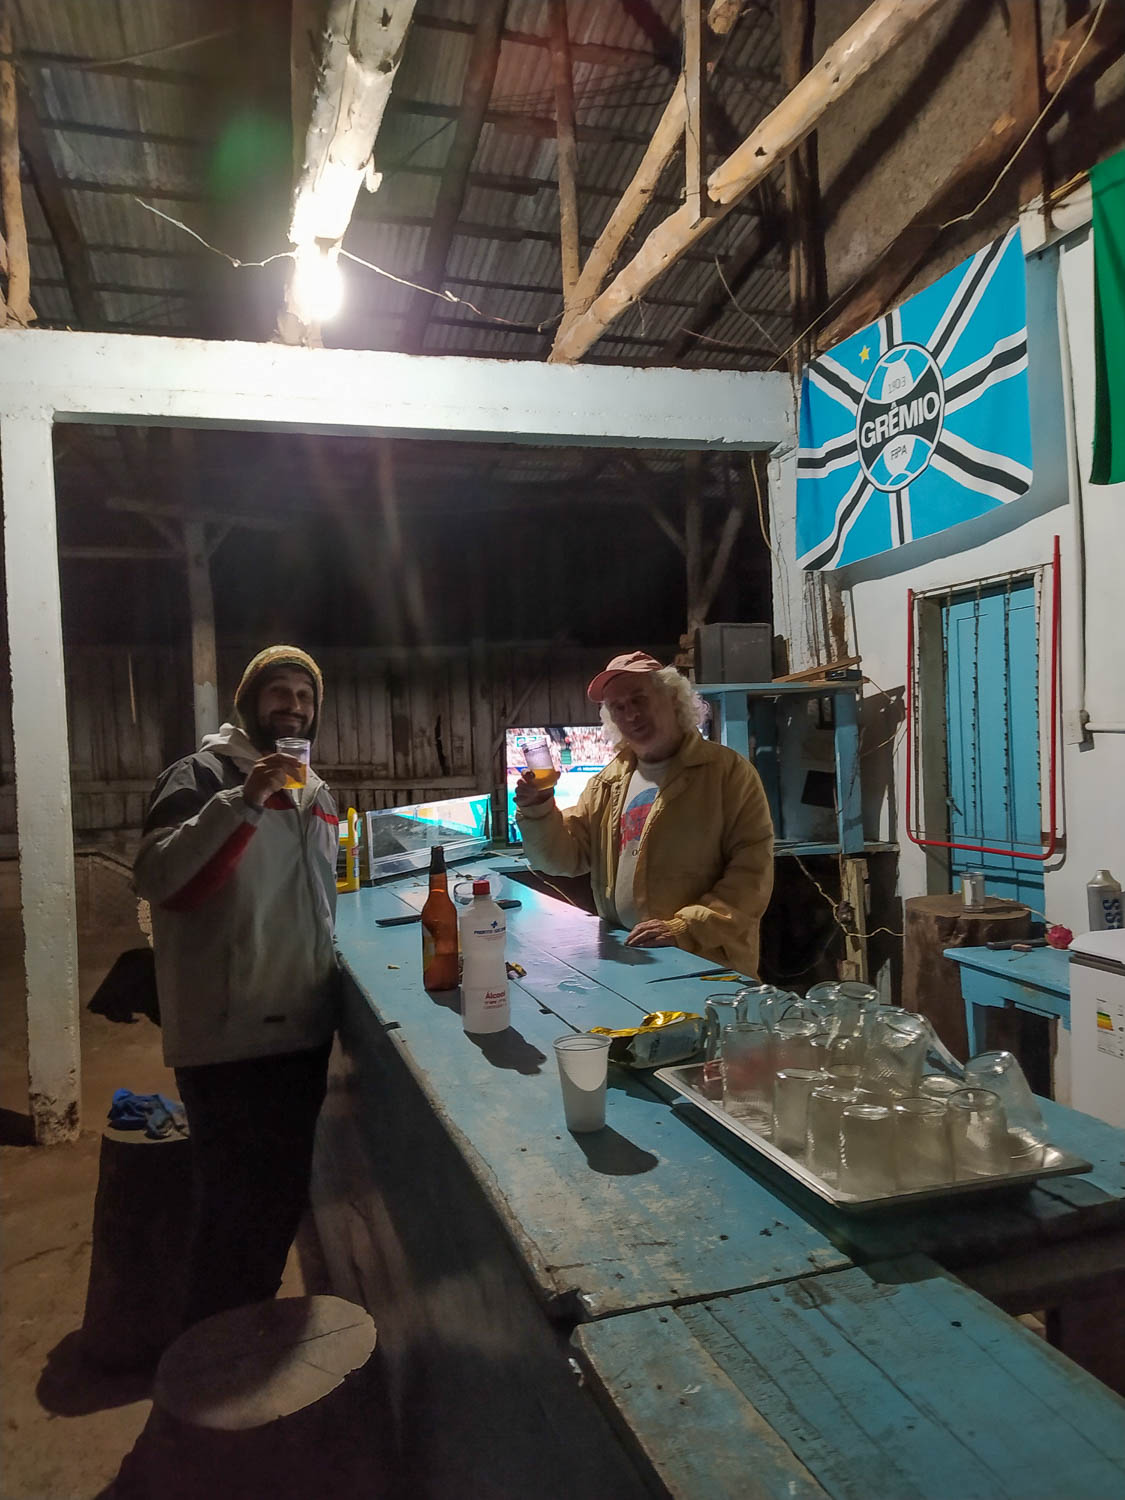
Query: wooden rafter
[1070, 59]
[568, 146]
[1027, 95]
[15, 306]
[659, 151]
[695, 153]
[475, 94]
[51, 192]
[363, 42]
[807, 277]
[877, 32]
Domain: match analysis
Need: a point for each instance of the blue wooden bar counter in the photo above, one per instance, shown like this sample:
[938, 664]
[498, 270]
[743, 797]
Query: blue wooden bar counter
[453, 1202]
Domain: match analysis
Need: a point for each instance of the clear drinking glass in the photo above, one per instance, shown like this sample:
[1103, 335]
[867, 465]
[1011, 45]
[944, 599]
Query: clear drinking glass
[747, 1068]
[978, 1131]
[783, 1005]
[923, 1153]
[793, 1043]
[867, 1150]
[822, 1142]
[791, 1090]
[1001, 1072]
[719, 1012]
[939, 1086]
[897, 1041]
[822, 993]
[753, 997]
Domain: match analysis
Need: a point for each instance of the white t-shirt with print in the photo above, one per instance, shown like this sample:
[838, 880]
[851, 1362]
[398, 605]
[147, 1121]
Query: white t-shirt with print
[646, 781]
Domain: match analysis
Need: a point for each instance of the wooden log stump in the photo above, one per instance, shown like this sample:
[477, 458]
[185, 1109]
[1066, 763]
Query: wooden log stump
[931, 984]
[279, 1398]
[138, 1257]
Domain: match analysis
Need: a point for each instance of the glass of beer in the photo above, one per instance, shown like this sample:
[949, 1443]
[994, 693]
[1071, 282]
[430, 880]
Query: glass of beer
[537, 755]
[299, 750]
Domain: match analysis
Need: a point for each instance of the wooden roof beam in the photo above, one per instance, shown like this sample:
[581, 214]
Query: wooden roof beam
[639, 193]
[881, 27]
[567, 160]
[362, 45]
[512, 122]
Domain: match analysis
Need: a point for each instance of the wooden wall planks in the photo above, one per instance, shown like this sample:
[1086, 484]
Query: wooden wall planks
[397, 725]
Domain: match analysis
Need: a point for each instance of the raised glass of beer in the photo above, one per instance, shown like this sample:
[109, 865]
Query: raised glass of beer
[537, 755]
[299, 750]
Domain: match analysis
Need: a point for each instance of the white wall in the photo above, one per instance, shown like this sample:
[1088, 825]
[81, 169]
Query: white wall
[1092, 790]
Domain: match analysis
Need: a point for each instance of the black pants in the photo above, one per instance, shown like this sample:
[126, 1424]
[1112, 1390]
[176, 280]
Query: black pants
[252, 1125]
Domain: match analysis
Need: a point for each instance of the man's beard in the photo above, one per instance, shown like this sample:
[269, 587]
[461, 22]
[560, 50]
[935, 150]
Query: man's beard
[264, 735]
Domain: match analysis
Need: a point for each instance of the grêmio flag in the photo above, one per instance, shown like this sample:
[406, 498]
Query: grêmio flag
[920, 420]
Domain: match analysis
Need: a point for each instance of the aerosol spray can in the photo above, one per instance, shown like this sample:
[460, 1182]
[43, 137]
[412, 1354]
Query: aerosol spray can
[1104, 896]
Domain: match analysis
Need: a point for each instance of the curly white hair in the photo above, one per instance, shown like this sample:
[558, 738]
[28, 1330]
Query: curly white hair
[691, 712]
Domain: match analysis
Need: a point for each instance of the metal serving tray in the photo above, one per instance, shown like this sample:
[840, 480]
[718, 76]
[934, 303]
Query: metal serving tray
[686, 1080]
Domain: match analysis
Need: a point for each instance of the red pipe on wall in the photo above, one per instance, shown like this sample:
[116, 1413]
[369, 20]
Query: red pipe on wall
[1056, 632]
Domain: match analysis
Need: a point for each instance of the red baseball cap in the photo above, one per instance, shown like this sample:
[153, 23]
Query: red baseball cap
[632, 661]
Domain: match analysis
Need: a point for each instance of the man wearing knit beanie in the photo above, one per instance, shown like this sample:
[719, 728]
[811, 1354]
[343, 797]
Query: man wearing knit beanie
[240, 869]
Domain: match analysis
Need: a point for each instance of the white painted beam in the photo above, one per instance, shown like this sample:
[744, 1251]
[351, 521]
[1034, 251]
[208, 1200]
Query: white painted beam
[42, 775]
[123, 378]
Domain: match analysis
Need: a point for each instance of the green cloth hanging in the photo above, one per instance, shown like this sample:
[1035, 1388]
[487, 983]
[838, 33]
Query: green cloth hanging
[1107, 180]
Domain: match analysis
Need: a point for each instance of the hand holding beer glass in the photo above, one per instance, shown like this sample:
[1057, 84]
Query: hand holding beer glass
[537, 782]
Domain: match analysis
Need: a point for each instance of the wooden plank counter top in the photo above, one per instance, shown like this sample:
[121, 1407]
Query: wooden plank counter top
[647, 1211]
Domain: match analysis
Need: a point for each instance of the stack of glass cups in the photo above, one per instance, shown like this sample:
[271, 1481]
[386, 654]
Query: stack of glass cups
[923, 1153]
[1001, 1073]
[747, 1072]
[978, 1132]
[719, 1012]
[867, 1151]
[822, 1143]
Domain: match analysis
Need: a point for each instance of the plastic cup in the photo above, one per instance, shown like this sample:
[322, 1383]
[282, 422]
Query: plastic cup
[867, 1150]
[791, 1090]
[1000, 1072]
[978, 1130]
[583, 1068]
[299, 750]
[923, 1154]
[537, 757]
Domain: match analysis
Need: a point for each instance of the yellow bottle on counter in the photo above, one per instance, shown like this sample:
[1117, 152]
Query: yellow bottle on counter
[348, 858]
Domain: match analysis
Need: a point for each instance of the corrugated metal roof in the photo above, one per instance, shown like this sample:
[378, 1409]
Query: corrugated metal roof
[156, 124]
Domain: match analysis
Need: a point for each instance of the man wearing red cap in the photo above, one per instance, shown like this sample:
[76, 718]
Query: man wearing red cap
[675, 833]
[240, 872]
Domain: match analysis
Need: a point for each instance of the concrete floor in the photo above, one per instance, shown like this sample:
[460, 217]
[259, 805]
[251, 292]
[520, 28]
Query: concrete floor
[65, 1427]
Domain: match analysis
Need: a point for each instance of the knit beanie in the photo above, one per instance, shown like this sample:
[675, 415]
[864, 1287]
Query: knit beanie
[263, 666]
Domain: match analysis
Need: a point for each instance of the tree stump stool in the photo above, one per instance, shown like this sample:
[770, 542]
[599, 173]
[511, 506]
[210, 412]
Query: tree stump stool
[138, 1257]
[279, 1399]
[931, 984]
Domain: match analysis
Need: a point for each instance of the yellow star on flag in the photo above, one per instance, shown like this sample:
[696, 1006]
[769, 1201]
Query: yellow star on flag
[864, 354]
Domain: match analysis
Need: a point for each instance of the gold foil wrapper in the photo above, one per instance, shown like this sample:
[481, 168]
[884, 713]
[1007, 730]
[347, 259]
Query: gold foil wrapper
[662, 1038]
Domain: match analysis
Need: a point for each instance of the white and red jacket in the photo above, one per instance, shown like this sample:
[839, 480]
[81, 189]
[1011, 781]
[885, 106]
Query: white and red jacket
[243, 908]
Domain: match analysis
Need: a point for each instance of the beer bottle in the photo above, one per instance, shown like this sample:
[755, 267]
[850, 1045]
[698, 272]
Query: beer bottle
[439, 929]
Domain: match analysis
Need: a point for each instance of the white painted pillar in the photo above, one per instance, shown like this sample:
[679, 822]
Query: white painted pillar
[46, 844]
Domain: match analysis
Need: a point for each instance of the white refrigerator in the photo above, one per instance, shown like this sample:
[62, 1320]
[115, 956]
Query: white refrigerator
[1097, 1024]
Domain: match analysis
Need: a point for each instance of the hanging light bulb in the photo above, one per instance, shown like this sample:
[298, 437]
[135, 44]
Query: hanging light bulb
[318, 283]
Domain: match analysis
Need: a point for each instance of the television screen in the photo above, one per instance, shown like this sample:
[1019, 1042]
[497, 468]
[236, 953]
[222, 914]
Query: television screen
[579, 751]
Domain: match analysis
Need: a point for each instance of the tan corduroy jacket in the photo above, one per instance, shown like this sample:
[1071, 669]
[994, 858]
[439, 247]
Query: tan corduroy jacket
[705, 862]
